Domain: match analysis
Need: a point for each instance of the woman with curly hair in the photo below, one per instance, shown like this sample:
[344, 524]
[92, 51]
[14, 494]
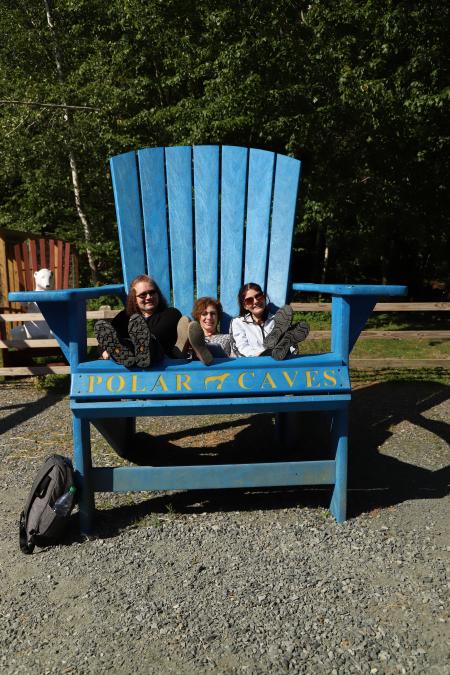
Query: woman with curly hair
[202, 334]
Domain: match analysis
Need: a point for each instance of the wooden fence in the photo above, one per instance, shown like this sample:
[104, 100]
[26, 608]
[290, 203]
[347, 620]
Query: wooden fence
[22, 254]
[358, 363]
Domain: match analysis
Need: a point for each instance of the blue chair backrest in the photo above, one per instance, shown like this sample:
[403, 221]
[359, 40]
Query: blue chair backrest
[203, 220]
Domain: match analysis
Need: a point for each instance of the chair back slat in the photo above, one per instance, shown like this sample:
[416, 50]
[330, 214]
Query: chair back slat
[233, 196]
[153, 191]
[129, 217]
[212, 205]
[283, 216]
[206, 195]
[259, 197]
[179, 195]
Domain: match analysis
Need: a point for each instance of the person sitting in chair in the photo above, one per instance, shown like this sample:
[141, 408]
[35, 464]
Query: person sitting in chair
[144, 331]
[201, 335]
[257, 332]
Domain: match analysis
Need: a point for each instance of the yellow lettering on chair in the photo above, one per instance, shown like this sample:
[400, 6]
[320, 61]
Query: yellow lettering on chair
[160, 383]
[329, 378]
[219, 379]
[310, 378]
[241, 379]
[183, 383]
[94, 380]
[109, 384]
[134, 385]
[268, 379]
[288, 379]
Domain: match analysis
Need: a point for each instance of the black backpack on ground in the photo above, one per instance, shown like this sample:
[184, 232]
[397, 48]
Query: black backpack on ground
[39, 524]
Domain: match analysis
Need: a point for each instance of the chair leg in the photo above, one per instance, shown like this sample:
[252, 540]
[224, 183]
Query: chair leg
[119, 433]
[83, 468]
[338, 506]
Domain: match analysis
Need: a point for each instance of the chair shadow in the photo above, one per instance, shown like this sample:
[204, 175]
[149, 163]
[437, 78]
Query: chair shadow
[379, 480]
[23, 412]
[376, 480]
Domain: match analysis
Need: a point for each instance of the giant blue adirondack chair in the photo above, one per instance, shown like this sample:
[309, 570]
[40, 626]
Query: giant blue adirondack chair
[202, 221]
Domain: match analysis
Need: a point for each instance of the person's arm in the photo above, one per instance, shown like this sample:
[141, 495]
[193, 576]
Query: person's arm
[240, 340]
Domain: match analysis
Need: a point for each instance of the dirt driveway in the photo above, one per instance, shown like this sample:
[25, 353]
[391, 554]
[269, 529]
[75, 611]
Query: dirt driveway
[240, 581]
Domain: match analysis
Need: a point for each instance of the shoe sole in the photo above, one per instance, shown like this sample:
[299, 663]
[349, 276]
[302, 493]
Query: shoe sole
[282, 319]
[197, 340]
[182, 334]
[293, 336]
[140, 337]
[298, 333]
[281, 350]
[108, 341]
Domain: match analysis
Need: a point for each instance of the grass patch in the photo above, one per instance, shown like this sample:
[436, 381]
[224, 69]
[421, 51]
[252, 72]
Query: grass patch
[438, 375]
[421, 348]
[409, 321]
[384, 320]
[57, 384]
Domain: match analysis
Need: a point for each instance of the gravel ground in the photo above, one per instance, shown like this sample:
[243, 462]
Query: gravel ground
[260, 581]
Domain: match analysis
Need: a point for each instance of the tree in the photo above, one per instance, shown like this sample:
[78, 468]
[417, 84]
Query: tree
[356, 90]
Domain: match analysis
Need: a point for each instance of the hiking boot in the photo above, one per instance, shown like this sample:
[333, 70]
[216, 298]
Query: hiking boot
[291, 338]
[108, 341]
[198, 344]
[140, 337]
[298, 332]
[180, 349]
[282, 321]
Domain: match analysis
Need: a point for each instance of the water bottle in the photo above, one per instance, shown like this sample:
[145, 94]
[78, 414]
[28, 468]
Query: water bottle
[64, 504]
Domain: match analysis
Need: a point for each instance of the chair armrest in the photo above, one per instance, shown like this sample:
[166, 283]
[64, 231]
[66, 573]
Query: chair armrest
[347, 289]
[67, 294]
[65, 313]
[351, 307]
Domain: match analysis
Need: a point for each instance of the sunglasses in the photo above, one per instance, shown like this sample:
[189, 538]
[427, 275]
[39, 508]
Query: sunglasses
[249, 302]
[142, 296]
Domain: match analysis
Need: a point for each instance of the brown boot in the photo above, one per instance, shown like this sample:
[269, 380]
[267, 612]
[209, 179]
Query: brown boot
[182, 343]
[197, 340]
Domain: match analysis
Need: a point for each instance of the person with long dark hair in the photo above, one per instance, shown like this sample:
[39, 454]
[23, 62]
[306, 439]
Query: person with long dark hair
[143, 332]
[258, 332]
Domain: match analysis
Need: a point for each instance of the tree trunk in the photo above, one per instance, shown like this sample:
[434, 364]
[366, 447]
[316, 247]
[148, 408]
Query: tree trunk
[72, 161]
[326, 253]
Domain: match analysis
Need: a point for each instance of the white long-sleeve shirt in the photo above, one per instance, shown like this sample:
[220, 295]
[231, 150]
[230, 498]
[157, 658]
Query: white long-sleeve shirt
[247, 337]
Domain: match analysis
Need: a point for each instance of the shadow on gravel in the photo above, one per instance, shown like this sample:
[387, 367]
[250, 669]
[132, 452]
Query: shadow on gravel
[24, 412]
[376, 480]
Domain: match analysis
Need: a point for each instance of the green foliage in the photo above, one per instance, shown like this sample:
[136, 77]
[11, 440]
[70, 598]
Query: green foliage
[358, 91]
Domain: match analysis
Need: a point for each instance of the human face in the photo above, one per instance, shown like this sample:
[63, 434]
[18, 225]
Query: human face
[208, 320]
[255, 303]
[146, 297]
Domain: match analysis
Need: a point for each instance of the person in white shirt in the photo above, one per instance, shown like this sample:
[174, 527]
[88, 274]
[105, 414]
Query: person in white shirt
[257, 332]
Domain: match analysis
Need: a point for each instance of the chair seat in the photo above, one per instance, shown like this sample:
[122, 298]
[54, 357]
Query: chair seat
[318, 375]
